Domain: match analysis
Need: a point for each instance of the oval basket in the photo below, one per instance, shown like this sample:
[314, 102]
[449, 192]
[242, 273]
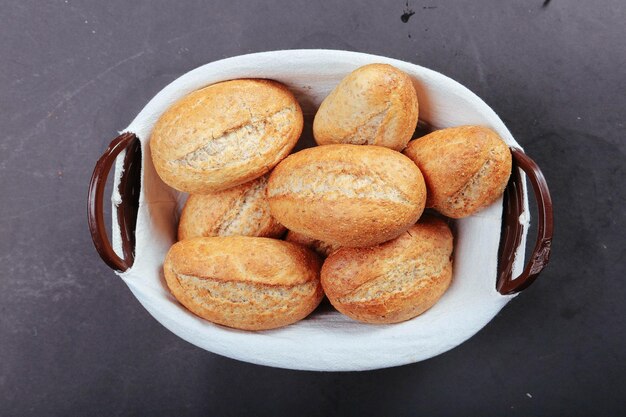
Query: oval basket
[489, 246]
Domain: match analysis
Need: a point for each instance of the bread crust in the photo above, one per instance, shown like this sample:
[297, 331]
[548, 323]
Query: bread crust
[249, 283]
[374, 105]
[394, 281]
[323, 249]
[347, 195]
[466, 168]
[239, 211]
[225, 134]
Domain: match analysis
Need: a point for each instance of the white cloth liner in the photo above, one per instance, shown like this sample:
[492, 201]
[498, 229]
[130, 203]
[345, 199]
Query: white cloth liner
[326, 340]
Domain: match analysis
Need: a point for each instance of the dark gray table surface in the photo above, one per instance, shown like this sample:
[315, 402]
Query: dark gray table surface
[74, 341]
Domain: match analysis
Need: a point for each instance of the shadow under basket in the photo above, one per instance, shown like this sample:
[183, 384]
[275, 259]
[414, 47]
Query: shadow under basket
[489, 268]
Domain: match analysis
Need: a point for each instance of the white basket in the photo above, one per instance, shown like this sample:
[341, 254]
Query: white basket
[326, 340]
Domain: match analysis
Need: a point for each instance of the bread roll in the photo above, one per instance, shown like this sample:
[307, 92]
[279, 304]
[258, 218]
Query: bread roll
[249, 283]
[466, 168]
[374, 105]
[394, 281]
[225, 135]
[239, 211]
[323, 249]
[347, 195]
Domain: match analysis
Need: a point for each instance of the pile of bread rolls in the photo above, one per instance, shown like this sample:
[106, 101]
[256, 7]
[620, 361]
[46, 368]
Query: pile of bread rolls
[265, 234]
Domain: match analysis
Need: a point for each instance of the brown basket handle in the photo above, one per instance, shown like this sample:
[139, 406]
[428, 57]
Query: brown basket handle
[129, 187]
[512, 229]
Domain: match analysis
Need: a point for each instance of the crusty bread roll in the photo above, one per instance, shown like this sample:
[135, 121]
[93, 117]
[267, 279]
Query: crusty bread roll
[347, 195]
[466, 168]
[394, 281]
[239, 211]
[249, 283]
[323, 249]
[225, 135]
[373, 105]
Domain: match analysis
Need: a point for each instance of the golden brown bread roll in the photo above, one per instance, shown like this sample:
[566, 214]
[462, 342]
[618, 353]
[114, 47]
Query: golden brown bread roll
[239, 211]
[465, 168]
[394, 281]
[249, 283]
[347, 195]
[323, 249]
[225, 135]
[374, 105]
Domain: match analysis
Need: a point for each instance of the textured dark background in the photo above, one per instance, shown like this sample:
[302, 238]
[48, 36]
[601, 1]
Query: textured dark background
[74, 341]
